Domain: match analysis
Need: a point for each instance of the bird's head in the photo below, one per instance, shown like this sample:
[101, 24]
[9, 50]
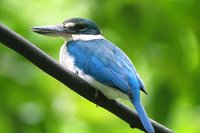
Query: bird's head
[71, 28]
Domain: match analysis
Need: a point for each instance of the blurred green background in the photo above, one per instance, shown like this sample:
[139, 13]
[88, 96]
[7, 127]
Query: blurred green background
[160, 36]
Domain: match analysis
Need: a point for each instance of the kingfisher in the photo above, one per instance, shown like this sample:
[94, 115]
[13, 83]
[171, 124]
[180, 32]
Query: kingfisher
[99, 62]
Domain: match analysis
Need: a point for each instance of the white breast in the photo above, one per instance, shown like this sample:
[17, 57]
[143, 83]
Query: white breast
[67, 61]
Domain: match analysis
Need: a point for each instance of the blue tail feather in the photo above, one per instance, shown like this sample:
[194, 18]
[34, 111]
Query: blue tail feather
[143, 116]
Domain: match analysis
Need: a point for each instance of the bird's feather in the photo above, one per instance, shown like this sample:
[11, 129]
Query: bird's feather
[105, 62]
[109, 65]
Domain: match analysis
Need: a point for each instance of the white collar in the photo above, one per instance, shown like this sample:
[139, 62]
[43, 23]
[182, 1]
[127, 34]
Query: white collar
[84, 37]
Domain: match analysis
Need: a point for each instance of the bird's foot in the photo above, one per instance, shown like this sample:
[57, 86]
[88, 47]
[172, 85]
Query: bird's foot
[96, 94]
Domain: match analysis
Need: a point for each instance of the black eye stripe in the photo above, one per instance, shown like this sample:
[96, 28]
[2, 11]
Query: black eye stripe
[81, 27]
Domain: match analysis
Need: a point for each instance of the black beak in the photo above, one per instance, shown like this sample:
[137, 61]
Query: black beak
[54, 30]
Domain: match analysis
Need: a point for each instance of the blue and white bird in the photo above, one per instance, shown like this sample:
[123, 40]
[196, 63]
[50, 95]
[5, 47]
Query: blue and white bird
[99, 62]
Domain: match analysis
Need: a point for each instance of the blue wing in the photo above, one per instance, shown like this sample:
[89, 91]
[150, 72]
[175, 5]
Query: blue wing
[106, 63]
[109, 65]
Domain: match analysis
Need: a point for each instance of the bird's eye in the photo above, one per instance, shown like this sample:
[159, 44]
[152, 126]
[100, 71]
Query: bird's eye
[81, 27]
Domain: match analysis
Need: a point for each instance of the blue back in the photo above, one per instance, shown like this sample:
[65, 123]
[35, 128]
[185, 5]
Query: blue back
[106, 63]
[109, 65]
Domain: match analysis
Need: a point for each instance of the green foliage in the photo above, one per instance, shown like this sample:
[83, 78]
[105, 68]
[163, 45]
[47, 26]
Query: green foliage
[160, 36]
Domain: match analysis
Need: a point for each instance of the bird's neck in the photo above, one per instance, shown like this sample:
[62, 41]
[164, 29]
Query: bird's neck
[75, 37]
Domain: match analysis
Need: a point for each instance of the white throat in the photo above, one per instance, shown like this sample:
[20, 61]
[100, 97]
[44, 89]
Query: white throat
[83, 37]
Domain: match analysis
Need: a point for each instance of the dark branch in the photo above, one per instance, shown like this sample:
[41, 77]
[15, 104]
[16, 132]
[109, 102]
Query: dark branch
[50, 66]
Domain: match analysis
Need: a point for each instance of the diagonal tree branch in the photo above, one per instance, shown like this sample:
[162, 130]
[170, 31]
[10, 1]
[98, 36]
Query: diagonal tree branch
[50, 66]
